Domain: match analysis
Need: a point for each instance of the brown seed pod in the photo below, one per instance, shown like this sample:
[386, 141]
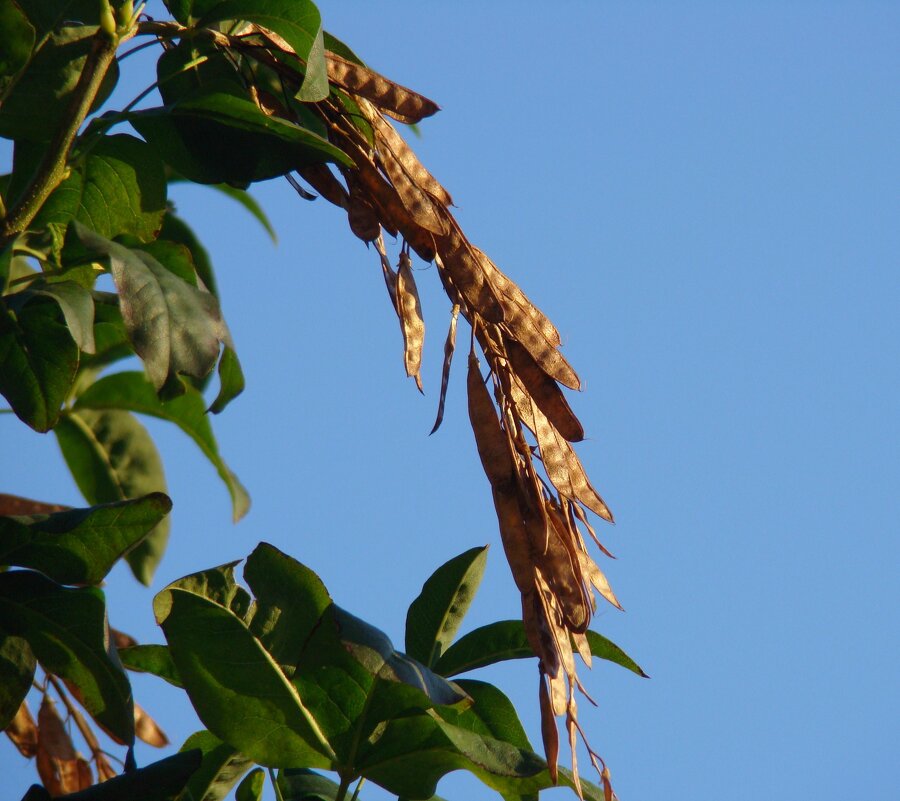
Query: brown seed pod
[363, 219]
[411, 322]
[458, 258]
[417, 203]
[493, 447]
[147, 729]
[61, 768]
[392, 98]
[449, 348]
[324, 181]
[549, 732]
[23, 731]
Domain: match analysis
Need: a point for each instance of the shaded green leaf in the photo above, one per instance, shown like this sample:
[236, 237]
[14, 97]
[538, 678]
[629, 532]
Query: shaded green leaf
[219, 138]
[17, 666]
[298, 22]
[159, 781]
[251, 788]
[46, 15]
[231, 380]
[302, 784]
[38, 103]
[505, 639]
[174, 327]
[335, 45]
[38, 360]
[175, 257]
[220, 769]
[237, 689]
[435, 615]
[77, 307]
[16, 41]
[176, 230]
[149, 658]
[112, 457]
[68, 633]
[79, 546]
[132, 391]
[218, 585]
[492, 714]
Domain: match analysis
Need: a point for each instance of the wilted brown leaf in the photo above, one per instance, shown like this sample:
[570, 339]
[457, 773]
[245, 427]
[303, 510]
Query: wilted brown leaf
[147, 729]
[13, 505]
[23, 731]
[398, 101]
[61, 768]
[411, 322]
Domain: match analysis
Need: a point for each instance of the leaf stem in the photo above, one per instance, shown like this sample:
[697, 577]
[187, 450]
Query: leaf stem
[52, 169]
[278, 795]
[344, 786]
[359, 784]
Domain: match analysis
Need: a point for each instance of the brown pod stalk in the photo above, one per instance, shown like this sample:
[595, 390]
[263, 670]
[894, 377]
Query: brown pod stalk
[397, 100]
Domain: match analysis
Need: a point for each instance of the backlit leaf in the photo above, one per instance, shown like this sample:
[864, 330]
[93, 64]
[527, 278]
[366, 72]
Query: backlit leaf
[251, 788]
[16, 41]
[149, 658]
[220, 769]
[132, 391]
[302, 784]
[17, 666]
[77, 307]
[435, 615]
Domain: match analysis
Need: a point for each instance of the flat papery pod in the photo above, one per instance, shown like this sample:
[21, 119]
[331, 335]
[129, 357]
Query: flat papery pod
[598, 579]
[556, 626]
[121, 639]
[538, 634]
[325, 182]
[515, 538]
[545, 392]
[449, 348]
[398, 101]
[411, 321]
[523, 319]
[572, 728]
[60, 767]
[105, 771]
[147, 729]
[415, 200]
[492, 444]
[403, 153]
[14, 505]
[580, 640]
[361, 215]
[458, 259]
[549, 732]
[23, 732]
[561, 567]
[575, 510]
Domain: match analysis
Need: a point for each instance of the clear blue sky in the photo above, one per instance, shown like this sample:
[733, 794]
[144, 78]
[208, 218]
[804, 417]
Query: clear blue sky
[703, 197]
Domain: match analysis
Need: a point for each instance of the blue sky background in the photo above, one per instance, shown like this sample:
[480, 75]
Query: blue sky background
[703, 197]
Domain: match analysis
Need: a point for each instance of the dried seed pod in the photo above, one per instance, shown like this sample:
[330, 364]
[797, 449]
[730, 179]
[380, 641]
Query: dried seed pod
[361, 215]
[15, 505]
[147, 730]
[410, 310]
[390, 277]
[583, 647]
[416, 202]
[597, 578]
[545, 392]
[572, 728]
[549, 732]
[515, 539]
[407, 159]
[61, 768]
[458, 259]
[449, 348]
[492, 444]
[23, 731]
[324, 181]
[394, 99]
[522, 317]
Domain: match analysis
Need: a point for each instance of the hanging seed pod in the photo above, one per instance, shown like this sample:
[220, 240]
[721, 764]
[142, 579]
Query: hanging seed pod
[549, 731]
[449, 348]
[411, 322]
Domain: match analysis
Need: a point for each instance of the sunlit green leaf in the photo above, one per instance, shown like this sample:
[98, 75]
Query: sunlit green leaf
[231, 380]
[505, 639]
[150, 658]
[492, 714]
[219, 771]
[17, 666]
[68, 633]
[132, 391]
[38, 360]
[435, 615]
[80, 546]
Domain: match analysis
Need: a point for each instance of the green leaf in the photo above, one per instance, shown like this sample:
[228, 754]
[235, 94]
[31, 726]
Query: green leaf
[237, 689]
[301, 784]
[218, 585]
[335, 45]
[112, 457]
[219, 771]
[68, 633]
[17, 666]
[219, 138]
[505, 639]
[176, 230]
[251, 788]
[77, 307]
[38, 103]
[149, 658]
[16, 42]
[492, 714]
[119, 189]
[80, 546]
[435, 615]
[46, 15]
[38, 360]
[231, 380]
[159, 781]
[174, 327]
[290, 601]
[131, 390]
[298, 22]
